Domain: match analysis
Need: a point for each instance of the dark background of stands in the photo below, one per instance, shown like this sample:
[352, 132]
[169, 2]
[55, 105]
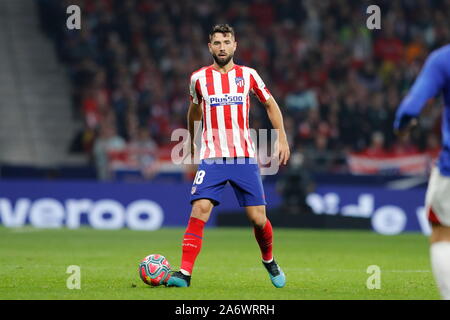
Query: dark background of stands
[337, 82]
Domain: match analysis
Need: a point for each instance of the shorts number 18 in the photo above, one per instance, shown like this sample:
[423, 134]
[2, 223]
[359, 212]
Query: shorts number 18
[199, 177]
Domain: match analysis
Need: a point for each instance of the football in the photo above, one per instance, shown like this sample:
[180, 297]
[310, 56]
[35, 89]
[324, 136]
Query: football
[154, 270]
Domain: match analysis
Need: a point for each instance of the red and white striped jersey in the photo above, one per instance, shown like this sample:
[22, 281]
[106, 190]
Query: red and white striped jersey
[225, 103]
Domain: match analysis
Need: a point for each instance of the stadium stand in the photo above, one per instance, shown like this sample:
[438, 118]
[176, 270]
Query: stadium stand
[36, 124]
[337, 82]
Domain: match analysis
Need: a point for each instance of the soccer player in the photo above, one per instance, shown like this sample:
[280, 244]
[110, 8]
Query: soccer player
[220, 95]
[432, 80]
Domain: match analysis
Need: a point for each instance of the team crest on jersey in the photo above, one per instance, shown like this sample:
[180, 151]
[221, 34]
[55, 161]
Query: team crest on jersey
[239, 81]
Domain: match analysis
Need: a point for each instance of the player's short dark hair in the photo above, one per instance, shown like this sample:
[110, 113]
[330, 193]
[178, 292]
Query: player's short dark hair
[221, 28]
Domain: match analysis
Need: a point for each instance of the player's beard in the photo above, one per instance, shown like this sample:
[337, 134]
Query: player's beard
[222, 61]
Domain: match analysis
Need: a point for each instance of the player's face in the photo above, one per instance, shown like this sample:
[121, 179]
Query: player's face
[222, 48]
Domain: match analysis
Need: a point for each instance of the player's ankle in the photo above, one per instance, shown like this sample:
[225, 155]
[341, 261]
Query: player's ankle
[186, 273]
[267, 261]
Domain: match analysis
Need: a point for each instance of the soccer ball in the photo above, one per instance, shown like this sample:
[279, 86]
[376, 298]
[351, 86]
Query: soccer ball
[154, 270]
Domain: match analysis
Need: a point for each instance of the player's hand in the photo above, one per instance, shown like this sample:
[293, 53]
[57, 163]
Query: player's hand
[404, 124]
[189, 154]
[189, 150]
[282, 151]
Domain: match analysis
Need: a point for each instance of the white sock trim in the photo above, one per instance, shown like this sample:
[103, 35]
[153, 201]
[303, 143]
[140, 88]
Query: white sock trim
[185, 272]
[440, 263]
[268, 261]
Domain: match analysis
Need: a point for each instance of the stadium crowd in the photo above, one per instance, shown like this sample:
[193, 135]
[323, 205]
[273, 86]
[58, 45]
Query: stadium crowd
[337, 82]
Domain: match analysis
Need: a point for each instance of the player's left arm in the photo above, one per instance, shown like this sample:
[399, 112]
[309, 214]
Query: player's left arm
[429, 82]
[276, 118]
[273, 111]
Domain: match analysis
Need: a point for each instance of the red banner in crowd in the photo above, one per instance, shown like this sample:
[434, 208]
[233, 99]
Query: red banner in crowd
[409, 164]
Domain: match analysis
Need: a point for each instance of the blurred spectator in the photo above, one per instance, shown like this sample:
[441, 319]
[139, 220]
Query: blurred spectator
[404, 146]
[294, 185]
[108, 143]
[301, 98]
[388, 47]
[376, 147]
[144, 152]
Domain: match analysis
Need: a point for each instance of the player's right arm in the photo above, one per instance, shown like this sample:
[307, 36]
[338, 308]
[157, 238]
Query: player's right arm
[194, 114]
[194, 111]
[429, 82]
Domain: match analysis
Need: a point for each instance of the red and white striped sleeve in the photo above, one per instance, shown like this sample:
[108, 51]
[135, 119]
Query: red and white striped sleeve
[258, 87]
[194, 90]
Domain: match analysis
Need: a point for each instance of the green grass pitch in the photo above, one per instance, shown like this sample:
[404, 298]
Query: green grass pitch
[318, 264]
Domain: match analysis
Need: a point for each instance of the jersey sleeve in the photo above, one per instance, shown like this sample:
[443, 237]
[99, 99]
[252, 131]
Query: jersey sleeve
[430, 82]
[258, 87]
[194, 91]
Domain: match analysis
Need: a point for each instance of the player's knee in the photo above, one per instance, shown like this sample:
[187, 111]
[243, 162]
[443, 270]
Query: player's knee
[259, 222]
[201, 209]
[258, 218]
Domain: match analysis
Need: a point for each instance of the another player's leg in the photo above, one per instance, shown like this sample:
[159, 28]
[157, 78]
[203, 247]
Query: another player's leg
[192, 242]
[440, 258]
[264, 236]
[438, 209]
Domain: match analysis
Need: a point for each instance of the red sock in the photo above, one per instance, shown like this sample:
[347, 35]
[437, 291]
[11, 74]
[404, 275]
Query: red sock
[192, 243]
[264, 236]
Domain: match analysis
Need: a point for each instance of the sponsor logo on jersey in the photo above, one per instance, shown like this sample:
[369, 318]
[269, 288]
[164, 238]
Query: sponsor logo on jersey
[226, 99]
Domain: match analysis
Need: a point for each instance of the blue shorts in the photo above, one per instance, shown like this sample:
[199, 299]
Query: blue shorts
[242, 173]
